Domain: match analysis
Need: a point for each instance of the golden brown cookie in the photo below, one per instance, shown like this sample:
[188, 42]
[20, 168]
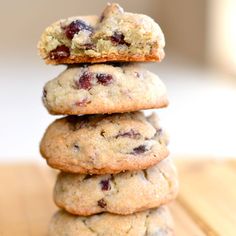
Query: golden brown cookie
[102, 88]
[101, 144]
[124, 193]
[156, 222]
[114, 36]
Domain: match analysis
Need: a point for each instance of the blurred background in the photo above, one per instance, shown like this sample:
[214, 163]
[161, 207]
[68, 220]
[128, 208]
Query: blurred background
[199, 71]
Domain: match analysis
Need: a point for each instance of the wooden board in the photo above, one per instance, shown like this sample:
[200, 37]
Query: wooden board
[206, 204]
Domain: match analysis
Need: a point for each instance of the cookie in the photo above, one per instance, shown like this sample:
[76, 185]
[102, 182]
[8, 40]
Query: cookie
[114, 36]
[124, 193]
[101, 88]
[156, 222]
[104, 144]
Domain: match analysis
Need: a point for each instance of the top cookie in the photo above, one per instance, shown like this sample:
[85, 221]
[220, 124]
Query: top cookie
[114, 36]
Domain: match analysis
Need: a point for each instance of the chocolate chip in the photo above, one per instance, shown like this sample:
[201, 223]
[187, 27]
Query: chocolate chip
[60, 52]
[105, 185]
[102, 203]
[74, 27]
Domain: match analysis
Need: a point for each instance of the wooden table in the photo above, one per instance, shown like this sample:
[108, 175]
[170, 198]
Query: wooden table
[206, 204]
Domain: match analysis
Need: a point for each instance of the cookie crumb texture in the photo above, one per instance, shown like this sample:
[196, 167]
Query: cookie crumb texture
[104, 144]
[156, 222]
[114, 36]
[103, 89]
[123, 193]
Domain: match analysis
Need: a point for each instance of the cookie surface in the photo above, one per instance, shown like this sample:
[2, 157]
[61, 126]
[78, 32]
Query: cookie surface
[114, 36]
[156, 222]
[124, 193]
[101, 88]
[101, 144]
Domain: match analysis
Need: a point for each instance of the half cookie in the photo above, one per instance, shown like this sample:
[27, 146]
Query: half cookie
[102, 144]
[103, 89]
[156, 222]
[114, 36]
[124, 193]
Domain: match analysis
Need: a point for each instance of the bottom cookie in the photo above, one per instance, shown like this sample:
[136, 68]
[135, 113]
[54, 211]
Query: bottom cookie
[156, 222]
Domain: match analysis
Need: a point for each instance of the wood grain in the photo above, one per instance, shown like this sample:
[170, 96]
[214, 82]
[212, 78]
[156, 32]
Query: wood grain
[206, 205]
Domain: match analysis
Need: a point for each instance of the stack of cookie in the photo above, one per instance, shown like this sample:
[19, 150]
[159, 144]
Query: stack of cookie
[115, 175]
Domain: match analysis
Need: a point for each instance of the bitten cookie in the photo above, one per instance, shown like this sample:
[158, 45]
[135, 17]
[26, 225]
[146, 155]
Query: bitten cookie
[114, 36]
[124, 193]
[156, 222]
[101, 144]
[104, 88]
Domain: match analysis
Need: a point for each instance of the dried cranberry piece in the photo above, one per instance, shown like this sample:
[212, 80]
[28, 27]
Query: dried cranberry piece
[104, 79]
[102, 203]
[139, 150]
[119, 38]
[59, 52]
[130, 134]
[84, 82]
[105, 184]
[74, 27]
[83, 102]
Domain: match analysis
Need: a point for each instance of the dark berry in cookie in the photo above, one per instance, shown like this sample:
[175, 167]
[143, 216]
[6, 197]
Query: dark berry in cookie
[104, 79]
[105, 185]
[60, 52]
[84, 82]
[102, 203]
[129, 134]
[119, 38]
[74, 27]
[139, 150]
